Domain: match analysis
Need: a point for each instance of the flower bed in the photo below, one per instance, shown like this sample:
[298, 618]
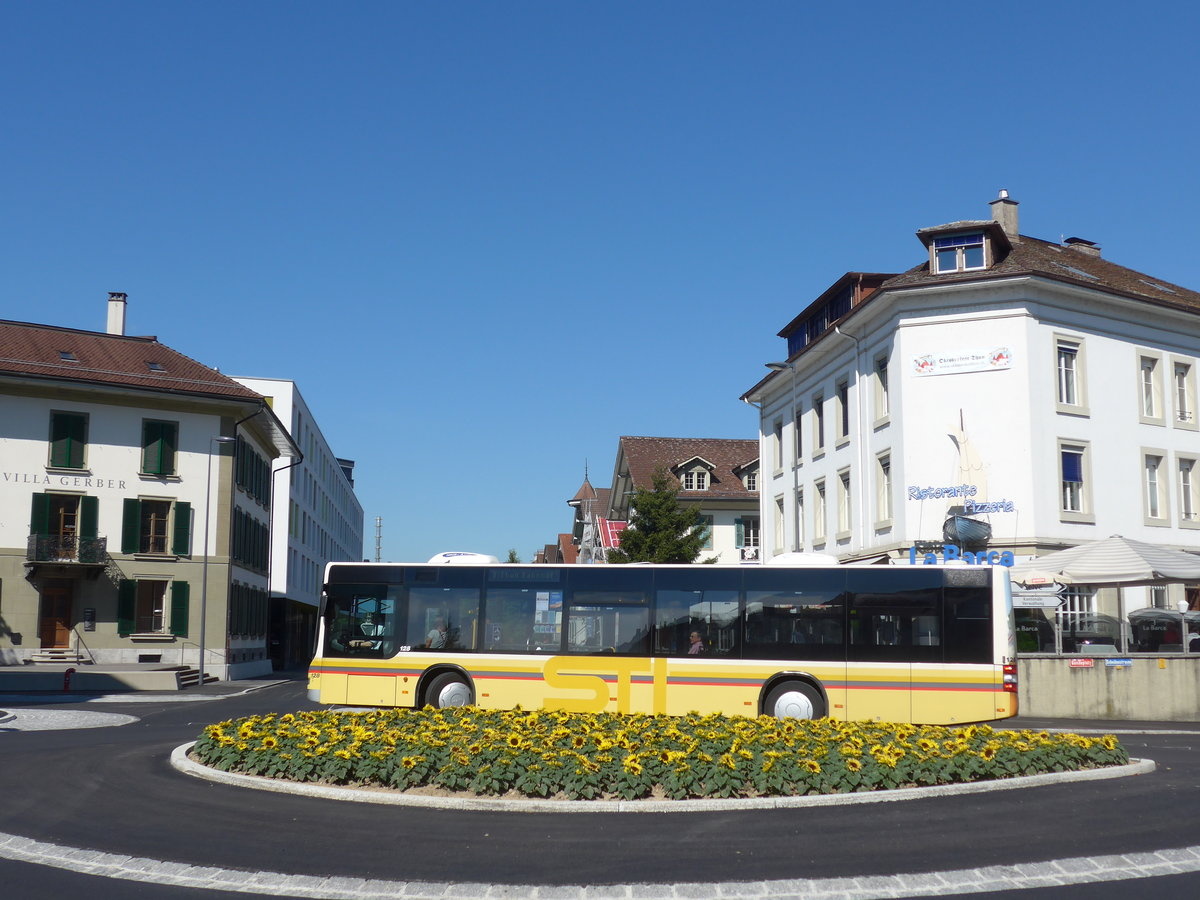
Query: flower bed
[585, 756]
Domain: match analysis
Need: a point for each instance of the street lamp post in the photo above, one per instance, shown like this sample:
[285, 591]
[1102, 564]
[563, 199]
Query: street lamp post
[220, 439]
[795, 503]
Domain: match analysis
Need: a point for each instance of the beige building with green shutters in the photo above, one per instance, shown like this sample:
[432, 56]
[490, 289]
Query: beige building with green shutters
[135, 492]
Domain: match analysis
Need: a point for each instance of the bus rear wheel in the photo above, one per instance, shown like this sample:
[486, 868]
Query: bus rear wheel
[795, 700]
[448, 690]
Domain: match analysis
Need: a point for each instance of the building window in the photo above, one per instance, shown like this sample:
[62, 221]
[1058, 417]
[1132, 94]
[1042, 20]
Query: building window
[843, 410]
[883, 489]
[159, 442]
[1154, 497]
[799, 519]
[844, 509]
[63, 527]
[1150, 389]
[68, 440]
[707, 522]
[151, 597]
[695, 480]
[1075, 492]
[157, 526]
[959, 253]
[1158, 596]
[779, 525]
[746, 533]
[1184, 392]
[777, 444]
[148, 606]
[1189, 499]
[751, 481]
[797, 433]
[819, 515]
[818, 424]
[882, 400]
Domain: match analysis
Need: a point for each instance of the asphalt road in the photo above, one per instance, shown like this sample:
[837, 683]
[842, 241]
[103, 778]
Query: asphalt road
[113, 790]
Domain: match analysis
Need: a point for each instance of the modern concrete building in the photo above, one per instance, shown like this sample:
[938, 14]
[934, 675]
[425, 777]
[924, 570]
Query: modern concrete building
[134, 503]
[1006, 396]
[322, 521]
[719, 476]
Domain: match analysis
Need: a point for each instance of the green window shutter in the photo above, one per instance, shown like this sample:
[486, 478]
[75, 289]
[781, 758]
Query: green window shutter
[180, 592]
[39, 515]
[235, 614]
[170, 440]
[89, 514]
[739, 527]
[181, 544]
[131, 526]
[68, 436]
[151, 444]
[126, 606]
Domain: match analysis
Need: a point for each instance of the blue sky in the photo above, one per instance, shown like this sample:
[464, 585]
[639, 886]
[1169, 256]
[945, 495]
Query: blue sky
[487, 239]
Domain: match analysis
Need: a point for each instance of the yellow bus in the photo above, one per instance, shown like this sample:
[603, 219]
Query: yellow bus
[921, 644]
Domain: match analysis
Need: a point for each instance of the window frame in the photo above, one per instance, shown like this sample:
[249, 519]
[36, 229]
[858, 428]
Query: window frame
[169, 469]
[59, 419]
[958, 244]
[883, 490]
[1183, 396]
[842, 403]
[1077, 348]
[1150, 389]
[1189, 490]
[1084, 514]
[818, 406]
[779, 524]
[820, 514]
[845, 524]
[882, 396]
[777, 445]
[1156, 501]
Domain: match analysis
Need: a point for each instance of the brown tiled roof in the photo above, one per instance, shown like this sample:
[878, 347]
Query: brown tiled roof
[141, 363]
[1031, 256]
[644, 455]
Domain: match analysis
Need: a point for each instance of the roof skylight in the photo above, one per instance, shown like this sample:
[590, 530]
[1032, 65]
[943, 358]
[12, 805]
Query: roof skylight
[67, 356]
[1156, 285]
[1079, 272]
[155, 367]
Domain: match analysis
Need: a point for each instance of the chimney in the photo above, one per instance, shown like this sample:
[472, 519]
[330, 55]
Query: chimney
[116, 313]
[1079, 245]
[1004, 213]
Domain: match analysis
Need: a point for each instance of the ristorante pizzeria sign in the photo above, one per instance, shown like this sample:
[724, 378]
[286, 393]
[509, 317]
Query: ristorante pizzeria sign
[69, 481]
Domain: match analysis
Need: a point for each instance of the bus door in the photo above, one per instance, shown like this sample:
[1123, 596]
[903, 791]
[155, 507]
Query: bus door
[895, 624]
[360, 632]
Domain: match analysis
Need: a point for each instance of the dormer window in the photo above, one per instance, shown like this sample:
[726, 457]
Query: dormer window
[958, 253]
[695, 480]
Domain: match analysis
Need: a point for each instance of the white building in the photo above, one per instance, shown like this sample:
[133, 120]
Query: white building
[1034, 388]
[135, 493]
[322, 521]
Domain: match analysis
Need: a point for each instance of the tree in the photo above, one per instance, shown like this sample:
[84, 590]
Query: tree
[660, 530]
[512, 556]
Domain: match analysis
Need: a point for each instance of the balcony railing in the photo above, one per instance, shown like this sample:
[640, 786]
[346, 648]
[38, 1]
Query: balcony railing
[66, 549]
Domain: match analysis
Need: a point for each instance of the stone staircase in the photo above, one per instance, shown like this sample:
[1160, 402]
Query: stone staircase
[59, 656]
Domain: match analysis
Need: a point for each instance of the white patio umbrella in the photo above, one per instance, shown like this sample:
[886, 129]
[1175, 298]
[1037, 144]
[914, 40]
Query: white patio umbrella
[1116, 561]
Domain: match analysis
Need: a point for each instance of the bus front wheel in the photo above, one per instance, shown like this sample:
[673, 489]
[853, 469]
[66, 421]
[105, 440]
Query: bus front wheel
[795, 700]
[447, 690]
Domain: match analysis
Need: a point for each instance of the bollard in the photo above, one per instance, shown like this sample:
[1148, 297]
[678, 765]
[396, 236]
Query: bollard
[67, 679]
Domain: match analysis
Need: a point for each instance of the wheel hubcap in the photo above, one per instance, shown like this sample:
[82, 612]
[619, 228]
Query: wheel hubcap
[456, 694]
[793, 705]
